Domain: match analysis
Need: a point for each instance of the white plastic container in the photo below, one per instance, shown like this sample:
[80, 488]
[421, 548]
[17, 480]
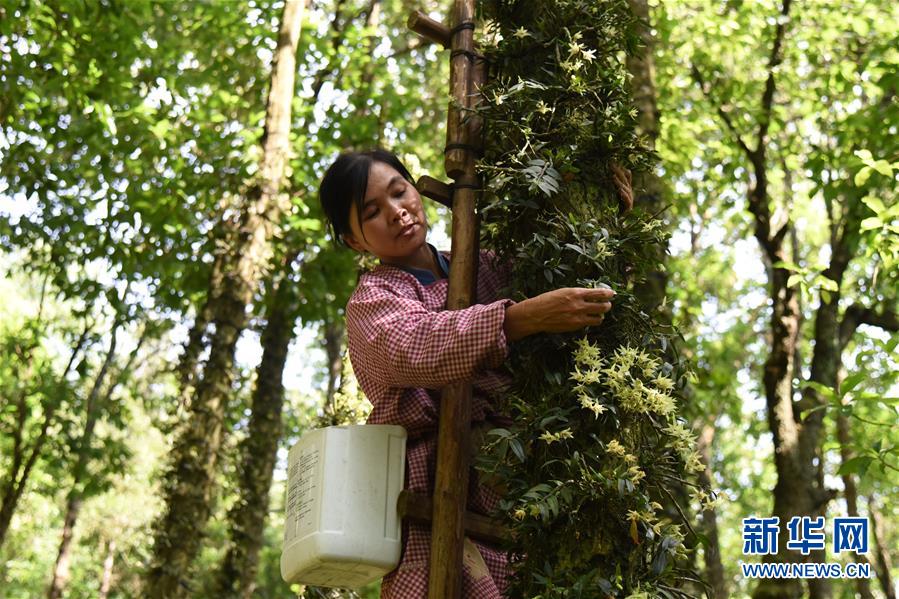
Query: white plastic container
[342, 528]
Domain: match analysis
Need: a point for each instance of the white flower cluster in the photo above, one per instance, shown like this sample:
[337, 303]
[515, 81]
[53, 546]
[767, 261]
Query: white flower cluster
[631, 375]
[551, 438]
[578, 54]
[684, 444]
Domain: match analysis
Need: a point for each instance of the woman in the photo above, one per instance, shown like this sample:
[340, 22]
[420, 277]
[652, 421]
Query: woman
[405, 346]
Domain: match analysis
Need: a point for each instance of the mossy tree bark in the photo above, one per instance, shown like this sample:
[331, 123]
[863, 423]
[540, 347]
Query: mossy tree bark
[188, 488]
[196, 340]
[237, 576]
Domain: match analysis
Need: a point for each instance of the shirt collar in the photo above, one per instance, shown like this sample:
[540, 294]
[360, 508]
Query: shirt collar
[424, 276]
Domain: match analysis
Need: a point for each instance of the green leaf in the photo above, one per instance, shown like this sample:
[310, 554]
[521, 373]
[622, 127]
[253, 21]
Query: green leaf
[517, 449]
[788, 266]
[865, 155]
[852, 381]
[857, 465]
[862, 176]
[823, 390]
[825, 283]
[161, 128]
[870, 223]
[874, 204]
[883, 167]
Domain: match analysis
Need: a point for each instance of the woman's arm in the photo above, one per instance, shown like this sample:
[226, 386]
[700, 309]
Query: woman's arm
[408, 345]
[558, 311]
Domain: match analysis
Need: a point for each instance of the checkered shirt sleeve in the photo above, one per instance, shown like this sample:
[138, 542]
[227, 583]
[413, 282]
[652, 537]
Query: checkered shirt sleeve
[409, 345]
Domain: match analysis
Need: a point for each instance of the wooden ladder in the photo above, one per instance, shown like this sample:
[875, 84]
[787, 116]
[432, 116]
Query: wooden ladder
[450, 522]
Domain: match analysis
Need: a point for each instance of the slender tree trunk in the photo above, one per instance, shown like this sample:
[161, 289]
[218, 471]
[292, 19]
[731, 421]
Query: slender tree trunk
[75, 499]
[797, 491]
[15, 486]
[237, 576]
[824, 369]
[334, 338]
[713, 566]
[851, 494]
[24, 457]
[108, 563]
[61, 571]
[188, 487]
[884, 561]
[794, 478]
[888, 320]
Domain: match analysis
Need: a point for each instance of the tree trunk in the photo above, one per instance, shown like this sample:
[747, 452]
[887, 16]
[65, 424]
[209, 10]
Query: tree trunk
[797, 491]
[334, 335]
[15, 485]
[108, 563]
[794, 477]
[75, 498]
[824, 369]
[713, 566]
[189, 361]
[188, 487]
[851, 494]
[648, 187]
[882, 553]
[237, 576]
[61, 572]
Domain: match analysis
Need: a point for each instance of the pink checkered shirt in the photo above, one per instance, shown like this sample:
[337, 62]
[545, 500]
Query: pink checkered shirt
[405, 346]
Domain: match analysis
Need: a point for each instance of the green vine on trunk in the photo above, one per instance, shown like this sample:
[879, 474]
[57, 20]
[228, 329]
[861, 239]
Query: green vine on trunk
[596, 443]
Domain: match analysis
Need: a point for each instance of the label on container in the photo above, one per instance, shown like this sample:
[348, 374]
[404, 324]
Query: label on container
[304, 479]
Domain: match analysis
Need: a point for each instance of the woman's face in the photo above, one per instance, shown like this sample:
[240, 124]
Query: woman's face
[393, 219]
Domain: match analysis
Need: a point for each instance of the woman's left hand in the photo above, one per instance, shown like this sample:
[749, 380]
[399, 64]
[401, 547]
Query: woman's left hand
[622, 178]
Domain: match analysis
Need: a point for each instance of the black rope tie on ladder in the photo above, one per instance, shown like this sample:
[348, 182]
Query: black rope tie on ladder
[466, 185]
[462, 26]
[471, 56]
[467, 147]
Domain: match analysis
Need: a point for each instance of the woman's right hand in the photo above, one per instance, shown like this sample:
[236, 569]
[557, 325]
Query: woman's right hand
[558, 311]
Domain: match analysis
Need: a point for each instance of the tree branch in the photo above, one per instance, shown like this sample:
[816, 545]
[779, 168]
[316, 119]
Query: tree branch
[707, 92]
[337, 38]
[774, 61]
[856, 315]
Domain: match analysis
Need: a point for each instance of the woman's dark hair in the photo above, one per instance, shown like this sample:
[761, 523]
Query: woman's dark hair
[345, 183]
